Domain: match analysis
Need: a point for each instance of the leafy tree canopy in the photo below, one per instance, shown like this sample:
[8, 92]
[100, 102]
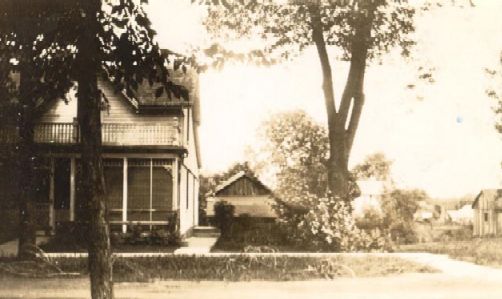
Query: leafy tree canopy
[50, 29]
[494, 91]
[284, 27]
[375, 166]
[296, 149]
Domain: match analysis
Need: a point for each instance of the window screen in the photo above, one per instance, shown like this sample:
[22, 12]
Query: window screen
[114, 180]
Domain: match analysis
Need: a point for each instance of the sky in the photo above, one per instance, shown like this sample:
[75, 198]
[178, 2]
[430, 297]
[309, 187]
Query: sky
[440, 136]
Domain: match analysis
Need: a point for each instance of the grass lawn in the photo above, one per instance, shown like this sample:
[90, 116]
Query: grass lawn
[238, 268]
[486, 251]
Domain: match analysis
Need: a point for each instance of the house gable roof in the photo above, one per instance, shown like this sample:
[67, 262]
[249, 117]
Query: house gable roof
[146, 99]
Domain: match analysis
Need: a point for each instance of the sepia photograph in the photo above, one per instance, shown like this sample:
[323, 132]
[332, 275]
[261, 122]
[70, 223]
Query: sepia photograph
[163, 149]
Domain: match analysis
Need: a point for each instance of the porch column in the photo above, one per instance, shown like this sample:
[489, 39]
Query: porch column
[124, 196]
[196, 201]
[72, 189]
[52, 217]
[175, 184]
[151, 192]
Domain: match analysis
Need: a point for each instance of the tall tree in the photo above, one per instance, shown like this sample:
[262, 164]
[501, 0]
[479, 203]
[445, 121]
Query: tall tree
[356, 31]
[92, 179]
[129, 56]
[114, 36]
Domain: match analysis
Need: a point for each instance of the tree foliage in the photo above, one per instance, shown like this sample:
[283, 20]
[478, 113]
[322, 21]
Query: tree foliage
[399, 207]
[297, 148]
[494, 91]
[313, 219]
[375, 166]
[127, 51]
[40, 64]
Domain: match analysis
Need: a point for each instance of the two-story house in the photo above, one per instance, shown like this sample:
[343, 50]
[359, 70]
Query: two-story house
[150, 157]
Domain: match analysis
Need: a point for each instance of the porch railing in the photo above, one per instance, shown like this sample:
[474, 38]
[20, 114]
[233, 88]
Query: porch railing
[112, 134]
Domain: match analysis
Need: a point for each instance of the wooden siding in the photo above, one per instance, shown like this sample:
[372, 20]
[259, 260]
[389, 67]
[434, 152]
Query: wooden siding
[244, 186]
[254, 206]
[488, 215]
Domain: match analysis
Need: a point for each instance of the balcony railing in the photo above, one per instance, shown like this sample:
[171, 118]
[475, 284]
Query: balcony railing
[112, 134]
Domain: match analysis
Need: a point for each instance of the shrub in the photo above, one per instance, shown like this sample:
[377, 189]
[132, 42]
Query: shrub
[327, 225]
[247, 232]
[223, 216]
[10, 223]
[399, 207]
[69, 236]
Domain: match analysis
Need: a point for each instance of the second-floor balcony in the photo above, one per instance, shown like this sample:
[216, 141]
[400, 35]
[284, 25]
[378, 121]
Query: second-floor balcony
[111, 133]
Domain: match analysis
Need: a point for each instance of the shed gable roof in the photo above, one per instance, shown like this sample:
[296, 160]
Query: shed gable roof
[491, 196]
[233, 180]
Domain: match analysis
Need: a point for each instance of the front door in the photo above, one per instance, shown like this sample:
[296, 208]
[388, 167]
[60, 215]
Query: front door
[62, 189]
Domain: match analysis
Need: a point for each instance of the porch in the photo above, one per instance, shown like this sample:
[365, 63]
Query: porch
[112, 134]
[141, 192]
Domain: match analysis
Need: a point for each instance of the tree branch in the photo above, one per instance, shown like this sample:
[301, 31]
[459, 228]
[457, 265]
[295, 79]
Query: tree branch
[354, 120]
[354, 90]
[327, 85]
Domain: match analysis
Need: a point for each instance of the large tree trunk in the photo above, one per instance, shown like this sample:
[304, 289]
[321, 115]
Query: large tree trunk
[26, 166]
[342, 126]
[92, 178]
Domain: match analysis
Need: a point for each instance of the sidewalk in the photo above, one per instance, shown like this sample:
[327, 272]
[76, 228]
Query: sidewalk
[197, 245]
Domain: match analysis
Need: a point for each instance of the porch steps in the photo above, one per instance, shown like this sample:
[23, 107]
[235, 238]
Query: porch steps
[205, 231]
[201, 240]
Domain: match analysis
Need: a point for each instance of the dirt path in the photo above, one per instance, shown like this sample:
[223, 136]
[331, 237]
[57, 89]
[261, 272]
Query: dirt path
[458, 280]
[454, 268]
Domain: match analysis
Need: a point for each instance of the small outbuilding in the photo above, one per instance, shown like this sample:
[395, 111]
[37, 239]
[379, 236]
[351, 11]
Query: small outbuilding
[247, 194]
[488, 213]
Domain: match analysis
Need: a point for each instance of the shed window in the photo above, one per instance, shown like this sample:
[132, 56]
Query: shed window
[486, 217]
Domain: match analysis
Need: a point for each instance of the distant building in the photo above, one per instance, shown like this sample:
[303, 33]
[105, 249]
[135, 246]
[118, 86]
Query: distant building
[370, 198]
[488, 213]
[247, 194]
[464, 215]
